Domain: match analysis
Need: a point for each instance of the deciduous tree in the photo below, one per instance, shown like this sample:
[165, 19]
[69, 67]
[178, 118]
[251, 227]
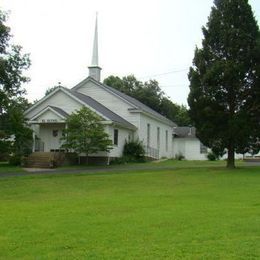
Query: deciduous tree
[150, 94]
[14, 132]
[85, 133]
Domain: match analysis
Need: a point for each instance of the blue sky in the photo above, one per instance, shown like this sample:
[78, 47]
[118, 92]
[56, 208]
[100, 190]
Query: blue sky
[150, 39]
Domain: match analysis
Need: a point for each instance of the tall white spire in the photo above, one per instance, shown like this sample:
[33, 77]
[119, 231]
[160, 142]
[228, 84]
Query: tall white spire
[95, 45]
[94, 69]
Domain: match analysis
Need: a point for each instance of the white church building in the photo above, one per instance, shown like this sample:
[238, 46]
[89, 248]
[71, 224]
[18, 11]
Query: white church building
[124, 117]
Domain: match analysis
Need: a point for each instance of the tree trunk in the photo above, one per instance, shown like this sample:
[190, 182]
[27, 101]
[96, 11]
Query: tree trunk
[79, 159]
[231, 157]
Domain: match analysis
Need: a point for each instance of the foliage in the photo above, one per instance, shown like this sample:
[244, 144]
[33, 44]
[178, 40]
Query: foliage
[19, 128]
[170, 214]
[15, 136]
[212, 156]
[12, 64]
[85, 133]
[51, 89]
[150, 94]
[119, 160]
[15, 160]
[179, 156]
[224, 94]
[134, 151]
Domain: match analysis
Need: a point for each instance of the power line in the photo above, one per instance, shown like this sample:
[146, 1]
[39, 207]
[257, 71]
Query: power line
[165, 73]
[174, 86]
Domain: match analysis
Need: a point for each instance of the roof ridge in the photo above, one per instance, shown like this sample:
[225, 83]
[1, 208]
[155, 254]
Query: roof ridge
[77, 94]
[138, 101]
[135, 102]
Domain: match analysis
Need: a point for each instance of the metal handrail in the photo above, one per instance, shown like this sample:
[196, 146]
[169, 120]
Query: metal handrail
[39, 145]
[151, 152]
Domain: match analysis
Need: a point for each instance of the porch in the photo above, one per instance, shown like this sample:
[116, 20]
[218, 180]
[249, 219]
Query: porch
[47, 137]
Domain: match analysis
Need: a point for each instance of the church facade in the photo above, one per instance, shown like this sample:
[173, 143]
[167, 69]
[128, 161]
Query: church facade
[124, 117]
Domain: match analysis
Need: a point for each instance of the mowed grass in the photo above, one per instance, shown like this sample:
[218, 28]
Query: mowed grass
[185, 213]
[6, 168]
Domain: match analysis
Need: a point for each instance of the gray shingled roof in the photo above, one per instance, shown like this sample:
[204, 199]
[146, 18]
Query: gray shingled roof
[101, 109]
[139, 105]
[60, 111]
[184, 131]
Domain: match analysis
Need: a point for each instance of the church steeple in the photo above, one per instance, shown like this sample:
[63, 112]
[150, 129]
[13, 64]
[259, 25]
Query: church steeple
[94, 69]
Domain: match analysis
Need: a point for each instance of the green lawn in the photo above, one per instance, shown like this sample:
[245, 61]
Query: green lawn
[6, 168]
[185, 213]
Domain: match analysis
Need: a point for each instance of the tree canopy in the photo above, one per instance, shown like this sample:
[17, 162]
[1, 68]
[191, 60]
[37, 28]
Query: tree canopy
[12, 65]
[224, 80]
[150, 94]
[85, 133]
[14, 134]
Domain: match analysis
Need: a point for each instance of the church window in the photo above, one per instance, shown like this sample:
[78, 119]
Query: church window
[148, 134]
[166, 140]
[55, 133]
[115, 136]
[203, 148]
[158, 138]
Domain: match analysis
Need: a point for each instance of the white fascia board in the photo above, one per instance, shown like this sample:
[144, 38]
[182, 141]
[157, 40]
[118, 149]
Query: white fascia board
[41, 100]
[135, 109]
[39, 123]
[46, 109]
[153, 116]
[124, 126]
[66, 92]
[108, 122]
[84, 104]
[117, 124]
[103, 87]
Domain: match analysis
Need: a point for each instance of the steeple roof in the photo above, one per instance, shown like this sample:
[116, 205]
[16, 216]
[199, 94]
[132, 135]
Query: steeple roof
[94, 69]
[95, 45]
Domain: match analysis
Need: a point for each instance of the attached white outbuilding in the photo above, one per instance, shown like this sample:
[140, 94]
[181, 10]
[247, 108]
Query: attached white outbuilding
[187, 144]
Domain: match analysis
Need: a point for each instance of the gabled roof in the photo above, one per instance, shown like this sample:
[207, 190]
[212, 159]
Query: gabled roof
[137, 105]
[102, 109]
[185, 131]
[140, 105]
[58, 111]
[84, 100]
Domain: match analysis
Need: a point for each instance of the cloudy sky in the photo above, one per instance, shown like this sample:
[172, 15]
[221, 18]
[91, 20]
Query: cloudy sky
[152, 39]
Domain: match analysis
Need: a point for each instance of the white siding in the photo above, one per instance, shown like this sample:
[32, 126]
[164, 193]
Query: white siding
[117, 150]
[59, 99]
[189, 148]
[115, 104]
[154, 124]
[112, 102]
[50, 141]
[123, 136]
[49, 115]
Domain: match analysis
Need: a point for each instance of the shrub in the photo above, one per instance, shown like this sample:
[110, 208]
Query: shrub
[134, 151]
[15, 160]
[119, 160]
[212, 156]
[179, 156]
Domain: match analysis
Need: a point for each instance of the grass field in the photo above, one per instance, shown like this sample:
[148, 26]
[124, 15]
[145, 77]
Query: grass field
[201, 212]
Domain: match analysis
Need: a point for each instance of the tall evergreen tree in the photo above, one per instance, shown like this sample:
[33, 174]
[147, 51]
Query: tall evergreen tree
[224, 80]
